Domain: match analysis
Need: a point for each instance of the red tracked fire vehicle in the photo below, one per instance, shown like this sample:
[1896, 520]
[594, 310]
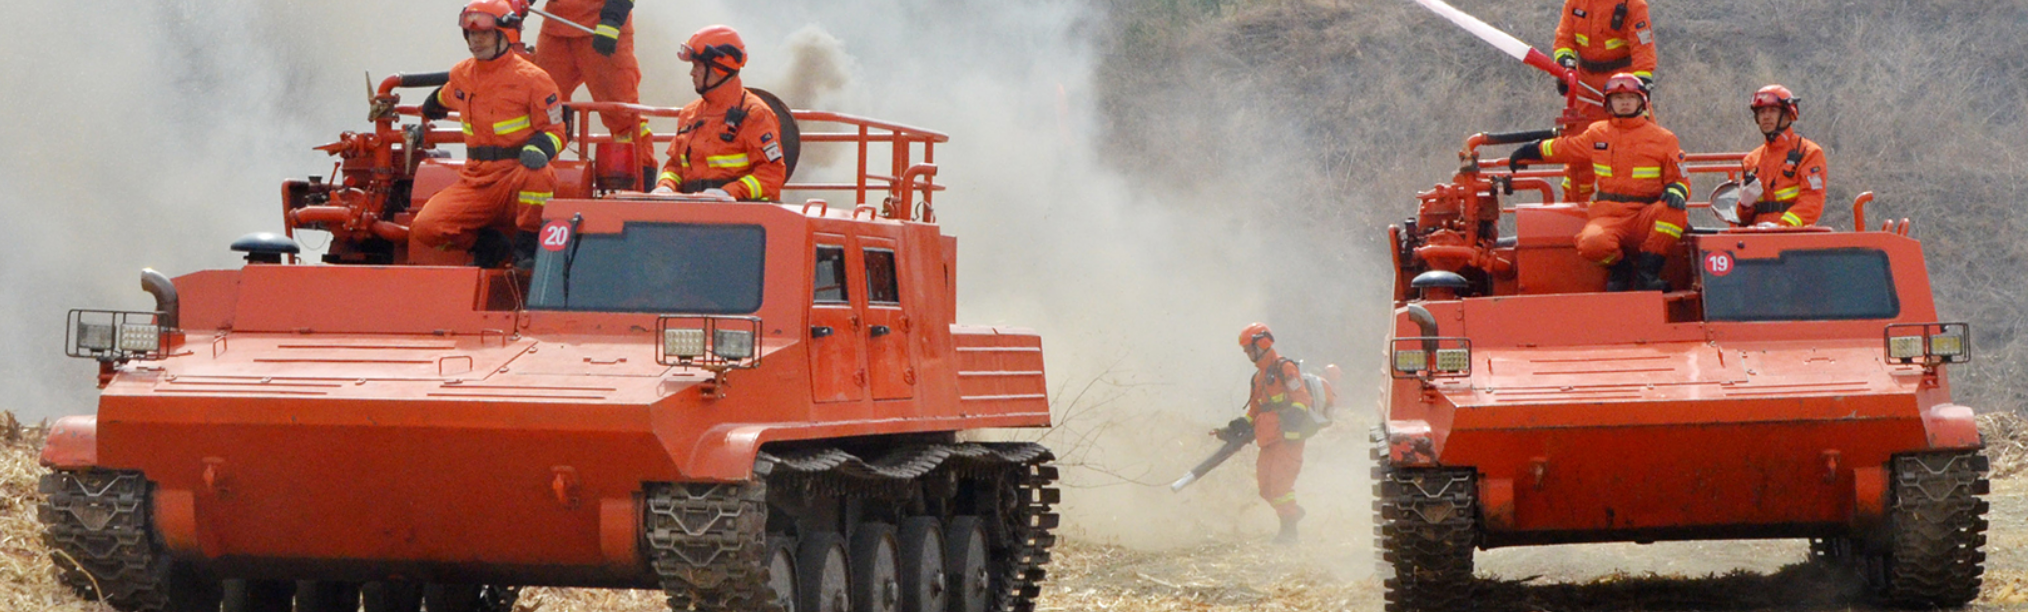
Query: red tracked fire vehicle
[751, 406]
[1793, 385]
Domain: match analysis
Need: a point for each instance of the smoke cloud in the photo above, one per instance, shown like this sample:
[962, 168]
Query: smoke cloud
[156, 138]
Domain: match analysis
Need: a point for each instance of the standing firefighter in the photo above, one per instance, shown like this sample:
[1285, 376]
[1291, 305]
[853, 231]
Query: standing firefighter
[728, 142]
[602, 60]
[1641, 190]
[1279, 414]
[1597, 39]
[1785, 176]
[513, 125]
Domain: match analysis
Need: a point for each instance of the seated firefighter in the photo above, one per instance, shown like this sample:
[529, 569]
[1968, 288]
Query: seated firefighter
[1785, 176]
[728, 142]
[513, 124]
[1642, 191]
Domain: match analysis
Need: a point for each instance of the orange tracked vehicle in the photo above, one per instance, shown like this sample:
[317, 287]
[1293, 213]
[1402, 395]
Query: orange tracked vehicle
[750, 406]
[1796, 386]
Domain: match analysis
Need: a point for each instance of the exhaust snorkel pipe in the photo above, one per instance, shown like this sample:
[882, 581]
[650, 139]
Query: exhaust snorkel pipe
[159, 285]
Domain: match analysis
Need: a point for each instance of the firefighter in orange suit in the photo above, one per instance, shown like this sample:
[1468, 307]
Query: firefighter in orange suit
[728, 143]
[513, 124]
[1786, 176]
[1641, 190]
[1599, 38]
[1279, 412]
[602, 61]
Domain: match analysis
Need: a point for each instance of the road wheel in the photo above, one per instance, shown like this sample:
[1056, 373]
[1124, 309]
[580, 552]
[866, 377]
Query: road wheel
[967, 569]
[822, 580]
[391, 596]
[876, 569]
[781, 562]
[1836, 551]
[1935, 553]
[260, 595]
[922, 565]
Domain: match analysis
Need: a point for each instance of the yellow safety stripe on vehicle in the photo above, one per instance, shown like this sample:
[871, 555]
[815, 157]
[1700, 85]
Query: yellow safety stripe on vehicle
[1665, 227]
[1791, 219]
[607, 31]
[753, 187]
[1285, 498]
[1788, 194]
[736, 160]
[536, 198]
[1647, 172]
[1602, 170]
[511, 125]
[1583, 40]
[1615, 43]
[672, 176]
[466, 126]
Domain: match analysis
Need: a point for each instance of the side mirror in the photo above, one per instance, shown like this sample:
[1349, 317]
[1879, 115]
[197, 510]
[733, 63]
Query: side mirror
[1725, 202]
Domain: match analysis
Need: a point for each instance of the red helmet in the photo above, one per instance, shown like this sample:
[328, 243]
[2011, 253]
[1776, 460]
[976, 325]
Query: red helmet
[1626, 82]
[1776, 95]
[1256, 339]
[502, 15]
[716, 46]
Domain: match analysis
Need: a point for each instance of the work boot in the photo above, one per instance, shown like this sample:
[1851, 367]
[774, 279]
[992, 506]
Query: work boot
[524, 250]
[1648, 272]
[1620, 276]
[491, 249]
[1287, 536]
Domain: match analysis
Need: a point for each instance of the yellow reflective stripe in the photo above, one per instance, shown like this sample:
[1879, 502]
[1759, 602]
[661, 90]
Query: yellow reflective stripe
[555, 140]
[466, 126]
[1565, 52]
[753, 187]
[672, 176]
[1614, 43]
[607, 31]
[1791, 219]
[1610, 258]
[1284, 498]
[1644, 74]
[1788, 194]
[645, 132]
[1292, 435]
[1647, 172]
[1566, 183]
[1548, 148]
[1602, 170]
[1679, 188]
[1278, 397]
[511, 125]
[1671, 229]
[1583, 40]
[736, 160]
[536, 198]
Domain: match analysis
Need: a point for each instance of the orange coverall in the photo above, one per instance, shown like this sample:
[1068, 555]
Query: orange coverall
[566, 53]
[745, 160]
[1635, 162]
[1277, 385]
[1792, 177]
[1586, 32]
[504, 103]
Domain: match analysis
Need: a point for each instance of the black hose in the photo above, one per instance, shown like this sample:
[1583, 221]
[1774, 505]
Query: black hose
[1495, 138]
[425, 79]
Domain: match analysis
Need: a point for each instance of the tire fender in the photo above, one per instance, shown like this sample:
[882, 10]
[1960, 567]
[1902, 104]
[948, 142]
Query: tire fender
[1950, 426]
[73, 443]
[1411, 443]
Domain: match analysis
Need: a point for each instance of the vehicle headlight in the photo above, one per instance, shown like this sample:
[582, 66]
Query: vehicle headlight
[1948, 344]
[140, 338]
[94, 337]
[683, 343]
[732, 344]
[1411, 361]
[1453, 360]
[1904, 348]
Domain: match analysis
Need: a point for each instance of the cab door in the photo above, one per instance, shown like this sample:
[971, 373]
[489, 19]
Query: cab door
[889, 363]
[837, 341]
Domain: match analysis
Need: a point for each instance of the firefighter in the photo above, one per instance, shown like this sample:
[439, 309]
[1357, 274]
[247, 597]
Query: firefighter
[1642, 190]
[513, 124]
[602, 61]
[1278, 412]
[1785, 176]
[728, 142]
[1600, 38]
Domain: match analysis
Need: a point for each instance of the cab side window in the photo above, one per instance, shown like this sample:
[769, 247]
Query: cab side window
[830, 276]
[881, 287]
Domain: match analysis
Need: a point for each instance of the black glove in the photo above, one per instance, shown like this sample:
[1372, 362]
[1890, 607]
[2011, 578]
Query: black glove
[1674, 198]
[1239, 429]
[537, 151]
[607, 38]
[1528, 152]
[432, 109]
[1562, 87]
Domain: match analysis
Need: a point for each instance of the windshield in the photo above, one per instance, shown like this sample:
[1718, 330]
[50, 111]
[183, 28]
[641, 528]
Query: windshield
[1815, 285]
[655, 267]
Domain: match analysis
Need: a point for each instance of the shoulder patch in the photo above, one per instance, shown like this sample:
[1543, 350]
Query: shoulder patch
[1577, 12]
[1600, 145]
[1816, 169]
[1641, 26]
[1646, 37]
[773, 151]
[767, 136]
[551, 100]
[459, 93]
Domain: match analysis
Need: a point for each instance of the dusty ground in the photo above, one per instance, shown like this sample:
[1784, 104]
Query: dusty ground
[1324, 574]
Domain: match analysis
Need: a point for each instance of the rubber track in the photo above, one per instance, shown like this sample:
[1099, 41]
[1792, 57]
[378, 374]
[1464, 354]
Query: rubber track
[1936, 553]
[708, 540]
[1426, 524]
[100, 519]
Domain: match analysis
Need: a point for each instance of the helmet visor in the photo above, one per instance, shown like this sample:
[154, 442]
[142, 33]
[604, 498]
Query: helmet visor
[476, 20]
